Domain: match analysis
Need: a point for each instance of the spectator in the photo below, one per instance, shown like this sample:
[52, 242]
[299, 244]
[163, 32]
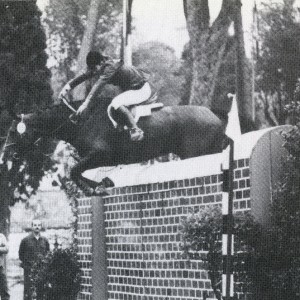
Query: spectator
[3, 280]
[31, 248]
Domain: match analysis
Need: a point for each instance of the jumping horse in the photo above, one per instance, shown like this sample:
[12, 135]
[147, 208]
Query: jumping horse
[187, 131]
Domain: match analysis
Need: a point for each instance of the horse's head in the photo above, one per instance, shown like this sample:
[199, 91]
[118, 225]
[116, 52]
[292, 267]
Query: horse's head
[22, 137]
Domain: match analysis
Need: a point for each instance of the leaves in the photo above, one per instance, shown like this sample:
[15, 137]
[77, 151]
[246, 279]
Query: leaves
[65, 22]
[266, 260]
[57, 274]
[278, 64]
[24, 84]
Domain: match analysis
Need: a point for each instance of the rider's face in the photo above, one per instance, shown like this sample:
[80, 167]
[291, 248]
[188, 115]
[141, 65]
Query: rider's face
[95, 67]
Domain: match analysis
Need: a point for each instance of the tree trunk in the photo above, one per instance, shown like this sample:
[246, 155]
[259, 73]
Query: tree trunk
[126, 37]
[209, 47]
[5, 197]
[244, 103]
[86, 46]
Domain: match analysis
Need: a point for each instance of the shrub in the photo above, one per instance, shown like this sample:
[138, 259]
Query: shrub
[57, 275]
[201, 234]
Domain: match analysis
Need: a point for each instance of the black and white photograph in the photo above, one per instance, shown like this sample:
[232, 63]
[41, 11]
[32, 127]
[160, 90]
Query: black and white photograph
[149, 149]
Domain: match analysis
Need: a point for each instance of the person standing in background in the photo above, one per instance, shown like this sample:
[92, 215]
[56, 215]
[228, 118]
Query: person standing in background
[3, 280]
[31, 248]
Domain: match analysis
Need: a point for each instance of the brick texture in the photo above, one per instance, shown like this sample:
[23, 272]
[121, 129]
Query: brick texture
[142, 241]
[85, 247]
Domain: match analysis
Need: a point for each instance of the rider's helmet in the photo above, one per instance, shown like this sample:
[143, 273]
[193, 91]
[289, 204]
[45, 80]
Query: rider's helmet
[94, 58]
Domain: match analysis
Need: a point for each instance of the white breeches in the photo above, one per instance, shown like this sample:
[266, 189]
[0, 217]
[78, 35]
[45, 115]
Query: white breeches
[128, 98]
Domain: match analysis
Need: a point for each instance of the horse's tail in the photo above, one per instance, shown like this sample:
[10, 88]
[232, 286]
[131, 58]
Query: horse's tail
[221, 114]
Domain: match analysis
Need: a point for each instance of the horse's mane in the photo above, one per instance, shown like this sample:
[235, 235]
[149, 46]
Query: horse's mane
[55, 113]
[61, 112]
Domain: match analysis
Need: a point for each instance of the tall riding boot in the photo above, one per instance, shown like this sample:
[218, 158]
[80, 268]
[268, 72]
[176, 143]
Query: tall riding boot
[136, 134]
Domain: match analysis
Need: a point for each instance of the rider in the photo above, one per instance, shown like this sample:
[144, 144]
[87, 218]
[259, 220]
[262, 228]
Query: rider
[133, 84]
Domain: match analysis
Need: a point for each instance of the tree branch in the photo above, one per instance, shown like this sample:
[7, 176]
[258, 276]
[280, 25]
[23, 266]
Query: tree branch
[197, 12]
[185, 9]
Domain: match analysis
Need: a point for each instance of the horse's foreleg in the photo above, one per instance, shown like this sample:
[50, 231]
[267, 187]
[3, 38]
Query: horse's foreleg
[92, 161]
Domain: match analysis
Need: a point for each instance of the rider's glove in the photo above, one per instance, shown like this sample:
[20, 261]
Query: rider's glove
[64, 92]
[82, 110]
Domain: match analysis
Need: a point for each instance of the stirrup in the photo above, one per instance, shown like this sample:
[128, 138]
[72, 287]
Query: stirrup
[136, 134]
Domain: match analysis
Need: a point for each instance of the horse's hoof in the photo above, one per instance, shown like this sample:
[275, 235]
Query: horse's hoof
[101, 191]
[107, 182]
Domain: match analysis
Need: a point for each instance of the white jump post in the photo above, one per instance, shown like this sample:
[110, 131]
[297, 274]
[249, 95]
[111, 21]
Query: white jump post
[233, 132]
[227, 234]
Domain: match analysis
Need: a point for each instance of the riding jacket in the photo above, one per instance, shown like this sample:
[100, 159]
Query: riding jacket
[115, 73]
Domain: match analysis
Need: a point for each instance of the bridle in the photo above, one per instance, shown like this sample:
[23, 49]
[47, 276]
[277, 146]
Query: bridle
[37, 142]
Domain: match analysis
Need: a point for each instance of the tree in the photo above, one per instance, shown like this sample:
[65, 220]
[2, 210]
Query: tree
[278, 63]
[210, 47]
[126, 49]
[161, 62]
[65, 22]
[24, 87]
[86, 45]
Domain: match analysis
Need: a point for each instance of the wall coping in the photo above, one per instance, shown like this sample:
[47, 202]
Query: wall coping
[136, 174]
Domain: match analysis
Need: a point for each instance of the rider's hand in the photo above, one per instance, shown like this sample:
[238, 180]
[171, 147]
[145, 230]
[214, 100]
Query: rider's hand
[81, 110]
[64, 92]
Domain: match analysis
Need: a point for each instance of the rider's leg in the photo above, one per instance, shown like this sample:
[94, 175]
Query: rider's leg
[128, 98]
[136, 133]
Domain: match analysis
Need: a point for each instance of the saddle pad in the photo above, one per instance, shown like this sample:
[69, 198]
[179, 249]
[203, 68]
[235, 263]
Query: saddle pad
[144, 110]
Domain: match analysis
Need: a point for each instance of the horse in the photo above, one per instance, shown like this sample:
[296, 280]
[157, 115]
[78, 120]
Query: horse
[186, 131]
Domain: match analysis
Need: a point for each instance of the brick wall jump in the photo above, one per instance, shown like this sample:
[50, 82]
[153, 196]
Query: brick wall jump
[143, 259]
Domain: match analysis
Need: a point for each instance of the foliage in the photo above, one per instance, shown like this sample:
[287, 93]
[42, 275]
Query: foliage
[24, 75]
[186, 70]
[224, 85]
[66, 156]
[278, 62]
[160, 60]
[283, 249]
[65, 22]
[201, 234]
[24, 82]
[268, 260]
[57, 274]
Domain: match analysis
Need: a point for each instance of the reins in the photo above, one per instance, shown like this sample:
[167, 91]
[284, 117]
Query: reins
[65, 101]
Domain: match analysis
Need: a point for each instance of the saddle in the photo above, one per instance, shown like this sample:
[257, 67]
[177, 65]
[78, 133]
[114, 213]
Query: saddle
[142, 109]
[145, 108]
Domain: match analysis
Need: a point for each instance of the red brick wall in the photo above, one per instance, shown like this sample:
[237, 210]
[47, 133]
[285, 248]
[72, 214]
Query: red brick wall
[141, 225]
